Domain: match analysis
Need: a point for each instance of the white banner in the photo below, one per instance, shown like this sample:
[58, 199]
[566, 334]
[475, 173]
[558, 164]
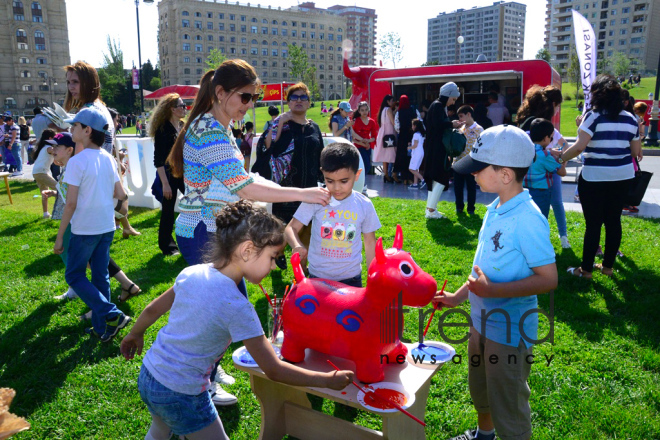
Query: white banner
[585, 44]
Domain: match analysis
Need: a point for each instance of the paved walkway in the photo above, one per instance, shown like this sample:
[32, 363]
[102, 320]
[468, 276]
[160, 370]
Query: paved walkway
[650, 206]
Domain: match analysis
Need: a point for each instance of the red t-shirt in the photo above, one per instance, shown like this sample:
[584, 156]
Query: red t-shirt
[366, 131]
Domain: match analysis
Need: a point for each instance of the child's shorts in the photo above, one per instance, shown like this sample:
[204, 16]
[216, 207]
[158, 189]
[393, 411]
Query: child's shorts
[183, 413]
[416, 161]
[44, 181]
[500, 388]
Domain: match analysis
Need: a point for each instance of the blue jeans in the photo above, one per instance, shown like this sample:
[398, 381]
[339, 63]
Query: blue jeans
[16, 152]
[182, 413]
[461, 181]
[558, 204]
[366, 158]
[94, 249]
[542, 199]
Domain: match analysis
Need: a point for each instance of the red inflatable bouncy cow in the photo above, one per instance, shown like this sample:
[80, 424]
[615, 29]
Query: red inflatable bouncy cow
[359, 324]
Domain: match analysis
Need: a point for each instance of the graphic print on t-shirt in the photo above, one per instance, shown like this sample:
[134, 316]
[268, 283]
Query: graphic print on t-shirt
[338, 232]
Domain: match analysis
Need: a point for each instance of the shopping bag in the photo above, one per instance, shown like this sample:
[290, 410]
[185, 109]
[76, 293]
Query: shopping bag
[638, 187]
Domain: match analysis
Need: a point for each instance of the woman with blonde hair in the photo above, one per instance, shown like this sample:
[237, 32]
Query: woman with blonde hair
[24, 137]
[164, 128]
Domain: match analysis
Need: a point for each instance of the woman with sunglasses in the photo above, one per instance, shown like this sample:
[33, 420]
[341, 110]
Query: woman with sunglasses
[164, 127]
[205, 154]
[305, 166]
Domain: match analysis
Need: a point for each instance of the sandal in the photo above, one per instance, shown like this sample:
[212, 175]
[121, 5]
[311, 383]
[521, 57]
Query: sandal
[608, 272]
[127, 294]
[577, 272]
[126, 234]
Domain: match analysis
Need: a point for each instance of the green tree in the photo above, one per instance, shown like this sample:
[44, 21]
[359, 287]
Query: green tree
[431, 63]
[215, 58]
[116, 89]
[573, 73]
[149, 73]
[155, 84]
[391, 48]
[543, 54]
[301, 70]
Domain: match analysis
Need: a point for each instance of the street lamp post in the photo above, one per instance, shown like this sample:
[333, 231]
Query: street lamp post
[50, 82]
[652, 140]
[137, 16]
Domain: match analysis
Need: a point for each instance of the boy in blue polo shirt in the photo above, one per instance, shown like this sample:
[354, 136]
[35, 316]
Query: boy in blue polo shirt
[539, 177]
[513, 263]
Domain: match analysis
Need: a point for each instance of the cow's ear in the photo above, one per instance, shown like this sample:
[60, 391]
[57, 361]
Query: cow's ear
[380, 254]
[398, 238]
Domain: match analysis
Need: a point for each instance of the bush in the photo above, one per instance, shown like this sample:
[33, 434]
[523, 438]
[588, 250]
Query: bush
[567, 97]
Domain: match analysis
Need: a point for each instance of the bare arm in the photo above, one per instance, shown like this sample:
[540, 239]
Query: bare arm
[636, 149]
[271, 193]
[390, 115]
[291, 235]
[542, 281]
[369, 246]
[262, 352]
[449, 299]
[134, 341]
[119, 193]
[578, 147]
[69, 209]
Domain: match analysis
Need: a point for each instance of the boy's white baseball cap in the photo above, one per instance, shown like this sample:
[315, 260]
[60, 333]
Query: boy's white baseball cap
[502, 145]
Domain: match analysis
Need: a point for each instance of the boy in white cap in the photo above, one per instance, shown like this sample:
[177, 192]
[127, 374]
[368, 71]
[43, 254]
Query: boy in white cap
[92, 179]
[437, 171]
[513, 263]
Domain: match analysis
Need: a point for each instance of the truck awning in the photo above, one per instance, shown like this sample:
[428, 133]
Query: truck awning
[455, 77]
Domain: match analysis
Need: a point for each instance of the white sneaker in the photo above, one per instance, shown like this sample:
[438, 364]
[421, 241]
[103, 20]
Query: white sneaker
[69, 294]
[564, 242]
[222, 378]
[46, 215]
[434, 214]
[221, 397]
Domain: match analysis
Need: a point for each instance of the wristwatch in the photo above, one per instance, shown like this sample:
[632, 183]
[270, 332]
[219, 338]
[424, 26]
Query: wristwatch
[560, 160]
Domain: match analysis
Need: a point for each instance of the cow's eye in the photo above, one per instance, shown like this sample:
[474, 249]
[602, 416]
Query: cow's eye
[406, 270]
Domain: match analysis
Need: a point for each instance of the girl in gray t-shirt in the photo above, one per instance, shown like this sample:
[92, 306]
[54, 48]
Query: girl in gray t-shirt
[207, 314]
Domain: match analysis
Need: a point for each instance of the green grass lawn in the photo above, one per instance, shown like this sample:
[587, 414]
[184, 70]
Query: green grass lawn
[569, 110]
[603, 382]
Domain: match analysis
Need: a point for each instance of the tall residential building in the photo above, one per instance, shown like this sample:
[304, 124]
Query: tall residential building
[190, 29]
[495, 31]
[361, 31]
[34, 47]
[620, 26]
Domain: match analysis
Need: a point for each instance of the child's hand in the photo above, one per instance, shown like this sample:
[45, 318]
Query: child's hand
[340, 379]
[131, 345]
[58, 247]
[481, 285]
[302, 251]
[49, 193]
[445, 299]
[319, 196]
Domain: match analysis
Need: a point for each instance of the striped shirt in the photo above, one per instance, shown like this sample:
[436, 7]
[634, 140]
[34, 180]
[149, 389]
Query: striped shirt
[213, 173]
[607, 157]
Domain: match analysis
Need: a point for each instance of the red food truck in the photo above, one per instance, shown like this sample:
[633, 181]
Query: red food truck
[514, 78]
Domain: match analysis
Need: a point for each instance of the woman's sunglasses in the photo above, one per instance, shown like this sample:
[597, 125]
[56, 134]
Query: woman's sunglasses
[299, 98]
[247, 97]
[183, 106]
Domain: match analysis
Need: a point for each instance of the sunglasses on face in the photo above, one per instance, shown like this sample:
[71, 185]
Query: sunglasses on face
[302, 98]
[247, 97]
[180, 106]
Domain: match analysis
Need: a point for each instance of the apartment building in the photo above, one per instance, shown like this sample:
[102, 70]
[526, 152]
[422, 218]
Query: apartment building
[34, 47]
[496, 31]
[190, 29]
[361, 31]
[620, 26]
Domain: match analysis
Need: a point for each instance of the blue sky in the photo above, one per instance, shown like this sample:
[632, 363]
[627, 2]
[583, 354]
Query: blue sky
[91, 21]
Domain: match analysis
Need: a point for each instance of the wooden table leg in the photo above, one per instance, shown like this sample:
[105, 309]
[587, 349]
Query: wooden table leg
[8, 191]
[272, 397]
[397, 426]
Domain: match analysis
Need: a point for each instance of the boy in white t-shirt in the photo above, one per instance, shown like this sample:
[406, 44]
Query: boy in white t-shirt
[92, 181]
[335, 248]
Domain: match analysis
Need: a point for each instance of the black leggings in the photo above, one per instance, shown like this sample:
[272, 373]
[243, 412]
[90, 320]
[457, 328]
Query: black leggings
[602, 203]
[113, 268]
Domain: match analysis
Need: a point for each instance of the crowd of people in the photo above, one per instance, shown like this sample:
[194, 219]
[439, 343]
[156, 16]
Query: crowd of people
[227, 240]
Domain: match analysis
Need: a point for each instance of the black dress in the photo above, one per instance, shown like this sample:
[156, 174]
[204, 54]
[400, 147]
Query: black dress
[305, 162]
[402, 160]
[163, 143]
[438, 165]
